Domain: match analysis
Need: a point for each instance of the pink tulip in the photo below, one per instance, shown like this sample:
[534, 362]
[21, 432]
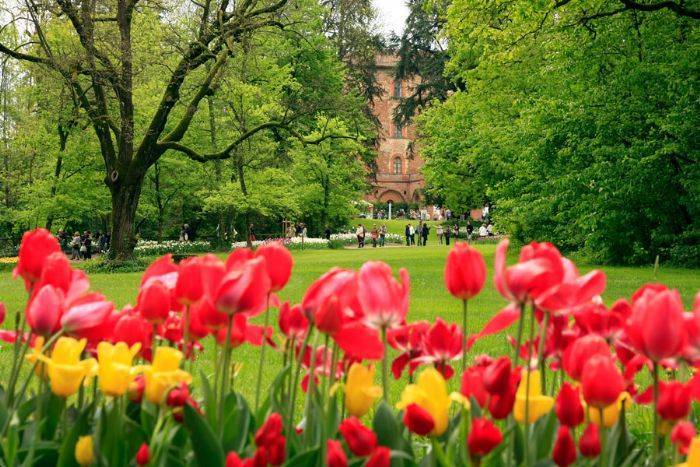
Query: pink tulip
[245, 289]
[384, 300]
[44, 311]
[278, 262]
[87, 313]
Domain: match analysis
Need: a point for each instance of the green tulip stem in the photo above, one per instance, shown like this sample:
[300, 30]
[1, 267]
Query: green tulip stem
[655, 440]
[262, 355]
[540, 351]
[226, 363]
[527, 385]
[465, 334]
[295, 383]
[385, 367]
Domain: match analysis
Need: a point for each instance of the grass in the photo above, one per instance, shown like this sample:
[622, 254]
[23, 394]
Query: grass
[429, 299]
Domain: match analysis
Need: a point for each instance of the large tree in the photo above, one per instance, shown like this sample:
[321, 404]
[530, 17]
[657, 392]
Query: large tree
[101, 49]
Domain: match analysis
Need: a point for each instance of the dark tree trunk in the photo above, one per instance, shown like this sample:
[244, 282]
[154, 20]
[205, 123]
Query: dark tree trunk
[62, 141]
[125, 199]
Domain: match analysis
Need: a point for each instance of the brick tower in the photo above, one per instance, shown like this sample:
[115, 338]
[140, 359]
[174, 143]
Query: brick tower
[398, 178]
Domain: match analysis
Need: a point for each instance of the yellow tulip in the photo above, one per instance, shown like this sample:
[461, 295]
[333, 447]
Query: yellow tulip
[65, 369]
[611, 413]
[430, 393]
[693, 459]
[84, 451]
[537, 404]
[164, 374]
[360, 391]
[115, 372]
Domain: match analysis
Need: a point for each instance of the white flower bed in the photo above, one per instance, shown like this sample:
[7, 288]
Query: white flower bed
[348, 238]
[153, 248]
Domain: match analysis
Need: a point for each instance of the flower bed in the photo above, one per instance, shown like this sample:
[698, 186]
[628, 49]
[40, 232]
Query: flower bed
[561, 398]
[312, 243]
[175, 247]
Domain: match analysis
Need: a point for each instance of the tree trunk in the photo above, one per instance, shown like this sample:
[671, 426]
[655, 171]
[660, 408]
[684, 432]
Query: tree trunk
[125, 199]
[63, 141]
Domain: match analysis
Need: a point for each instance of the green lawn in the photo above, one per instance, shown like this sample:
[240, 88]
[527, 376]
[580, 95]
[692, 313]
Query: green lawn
[429, 298]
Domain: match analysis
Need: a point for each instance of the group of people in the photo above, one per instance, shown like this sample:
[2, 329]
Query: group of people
[83, 245]
[377, 235]
[422, 231]
[444, 233]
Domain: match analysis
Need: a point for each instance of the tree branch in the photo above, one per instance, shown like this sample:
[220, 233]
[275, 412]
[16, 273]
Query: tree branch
[677, 8]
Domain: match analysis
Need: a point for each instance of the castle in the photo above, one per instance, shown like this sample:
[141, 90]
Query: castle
[398, 177]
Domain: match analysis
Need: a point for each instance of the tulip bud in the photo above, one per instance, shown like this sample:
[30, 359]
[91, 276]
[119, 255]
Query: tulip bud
[473, 385]
[657, 327]
[497, 376]
[278, 263]
[465, 271]
[589, 444]
[682, 435]
[418, 420]
[177, 397]
[484, 436]
[36, 246]
[381, 457]
[244, 289]
[601, 381]
[568, 406]
[84, 451]
[360, 439]
[674, 401]
[136, 388]
[154, 302]
[580, 351]
[564, 452]
[336, 455]
[143, 455]
[44, 311]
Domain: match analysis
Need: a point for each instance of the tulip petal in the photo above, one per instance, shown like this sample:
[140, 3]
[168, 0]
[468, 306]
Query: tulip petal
[360, 341]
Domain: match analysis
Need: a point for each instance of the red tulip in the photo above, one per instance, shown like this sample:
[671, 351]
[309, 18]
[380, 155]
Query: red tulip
[497, 375]
[568, 406]
[136, 388]
[233, 460]
[154, 302]
[3, 312]
[484, 436]
[44, 311]
[339, 283]
[601, 381]
[384, 300]
[86, 313]
[540, 267]
[564, 452]
[56, 271]
[238, 257]
[242, 331]
[674, 400]
[418, 420]
[473, 385]
[682, 435]
[36, 246]
[335, 456]
[197, 277]
[441, 343]
[197, 326]
[573, 290]
[580, 351]
[292, 321]
[589, 444]
[132, 328]
[656, 328]
[143, 455]
[501, 405]
[278, 262]
[408, 340]
[360, 439]
[329, 316]
[465, 271]
[245, 289]
[381, 457]
[269, 436]
[164, 270]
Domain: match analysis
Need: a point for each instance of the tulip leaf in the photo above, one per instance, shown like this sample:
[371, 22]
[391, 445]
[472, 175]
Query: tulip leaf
[543, 435]
[237, 423]
[519, 444]
[205, 445]
[309, 457]
[209, 399]
[66, 454]
[385, 426]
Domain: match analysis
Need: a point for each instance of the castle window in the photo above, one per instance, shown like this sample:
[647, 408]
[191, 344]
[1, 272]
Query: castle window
[398, 130]
[398, 169]
[397, 89]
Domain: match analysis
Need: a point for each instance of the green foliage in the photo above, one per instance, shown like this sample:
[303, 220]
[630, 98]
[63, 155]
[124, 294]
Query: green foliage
[582, 130]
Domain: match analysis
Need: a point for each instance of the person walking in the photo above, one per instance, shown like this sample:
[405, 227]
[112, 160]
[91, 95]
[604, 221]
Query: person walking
[439, 232]
[328, 233]
[424, 233]
[382, 235]
[375, 235]
[448, 233]
[412, 230]
[75, 246]
[87, 245]
[359, 235]
[455, 232]
[470, 230]
[407, 233]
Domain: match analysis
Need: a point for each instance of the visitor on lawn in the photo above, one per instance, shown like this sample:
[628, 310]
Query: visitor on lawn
[328, 233]
[360, 232]
[86, 248]
[407, 232]
[413, 233]
[375, 235]
[448, 233]
[382, 235]
[470, 230]
[439, 232]
[424, 233]
[75, 246]
[456, 232]
[483, 231]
